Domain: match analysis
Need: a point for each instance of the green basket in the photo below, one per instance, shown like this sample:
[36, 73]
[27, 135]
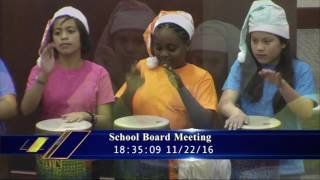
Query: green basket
[63, 169]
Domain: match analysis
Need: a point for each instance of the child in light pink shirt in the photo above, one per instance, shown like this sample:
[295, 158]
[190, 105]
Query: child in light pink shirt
[63, 83]
[73, 90]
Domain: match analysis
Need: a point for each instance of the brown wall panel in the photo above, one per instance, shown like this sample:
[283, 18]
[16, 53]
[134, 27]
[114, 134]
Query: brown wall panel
[308, 18]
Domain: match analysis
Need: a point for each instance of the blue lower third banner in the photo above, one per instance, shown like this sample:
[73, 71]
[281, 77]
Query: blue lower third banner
[166, 144]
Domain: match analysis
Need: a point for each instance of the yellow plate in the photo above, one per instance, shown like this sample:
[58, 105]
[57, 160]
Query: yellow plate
[261, 123]
[60, 125]
[142, 122]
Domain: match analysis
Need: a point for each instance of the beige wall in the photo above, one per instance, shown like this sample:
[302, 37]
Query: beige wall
[308, 3]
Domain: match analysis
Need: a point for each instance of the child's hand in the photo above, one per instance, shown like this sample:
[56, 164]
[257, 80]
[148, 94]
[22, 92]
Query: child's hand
[173, 77]
[235, 121]
[134, 79]
[47, 59]
[76, 117]
[271, 76]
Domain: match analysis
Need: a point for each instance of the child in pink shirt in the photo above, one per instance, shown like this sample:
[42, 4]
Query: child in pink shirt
[73, 90]
[66, 85]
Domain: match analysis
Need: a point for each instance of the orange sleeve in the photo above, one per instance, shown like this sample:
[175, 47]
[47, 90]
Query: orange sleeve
[206, 93]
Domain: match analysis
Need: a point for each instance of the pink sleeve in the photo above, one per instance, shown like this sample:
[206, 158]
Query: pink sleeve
[105, 91]
[32, 77]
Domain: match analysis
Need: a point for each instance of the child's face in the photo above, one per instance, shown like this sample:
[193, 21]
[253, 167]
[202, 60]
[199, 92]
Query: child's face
[215, 62]
[66, 36]
[266, 47]
[129, 45]
[169, 48]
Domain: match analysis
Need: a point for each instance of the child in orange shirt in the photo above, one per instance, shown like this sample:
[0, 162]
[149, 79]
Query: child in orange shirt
[164, 84]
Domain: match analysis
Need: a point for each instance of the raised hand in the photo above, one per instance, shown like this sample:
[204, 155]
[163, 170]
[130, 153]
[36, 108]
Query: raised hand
[134, 79]
[47, 59]
[271, 76]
